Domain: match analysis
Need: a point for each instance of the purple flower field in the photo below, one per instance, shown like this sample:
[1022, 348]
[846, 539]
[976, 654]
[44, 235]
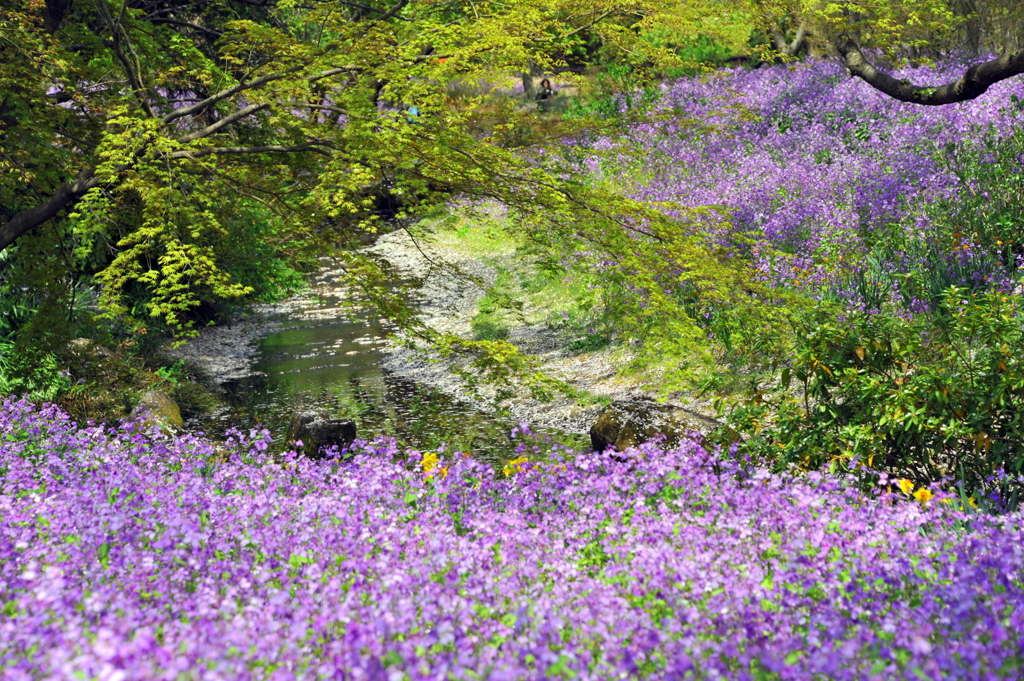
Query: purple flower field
[132, 555]
[846, 187]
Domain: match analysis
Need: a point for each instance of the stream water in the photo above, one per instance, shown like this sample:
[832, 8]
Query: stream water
[323, 355]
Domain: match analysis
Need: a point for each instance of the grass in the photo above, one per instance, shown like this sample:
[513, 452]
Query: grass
[524, 290]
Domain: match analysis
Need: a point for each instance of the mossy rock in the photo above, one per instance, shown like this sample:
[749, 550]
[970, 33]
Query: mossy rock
[629, 423]
[158, 409]
[318, 433]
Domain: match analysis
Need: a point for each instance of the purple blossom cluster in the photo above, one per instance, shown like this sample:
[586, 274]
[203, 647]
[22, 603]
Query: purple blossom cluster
[128, 554]
[842, 183]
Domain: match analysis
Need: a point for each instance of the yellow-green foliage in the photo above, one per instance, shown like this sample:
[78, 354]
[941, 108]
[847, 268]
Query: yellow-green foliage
[290, 71]
[307, 115]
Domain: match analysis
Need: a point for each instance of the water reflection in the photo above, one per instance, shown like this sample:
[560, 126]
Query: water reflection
[321, 357]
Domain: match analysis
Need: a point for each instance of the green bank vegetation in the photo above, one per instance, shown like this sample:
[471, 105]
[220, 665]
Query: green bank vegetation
[164, 164]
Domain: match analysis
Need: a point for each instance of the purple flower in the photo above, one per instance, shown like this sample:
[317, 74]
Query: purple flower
[126, 553]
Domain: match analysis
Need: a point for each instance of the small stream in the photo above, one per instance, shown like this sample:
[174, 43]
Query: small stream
[323, 355]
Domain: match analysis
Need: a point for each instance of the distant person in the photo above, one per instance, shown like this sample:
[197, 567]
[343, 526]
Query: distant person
[545, 91]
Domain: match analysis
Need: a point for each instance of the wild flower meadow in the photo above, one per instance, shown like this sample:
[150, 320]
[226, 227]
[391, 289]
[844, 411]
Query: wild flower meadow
[851, 195]
[127, 554]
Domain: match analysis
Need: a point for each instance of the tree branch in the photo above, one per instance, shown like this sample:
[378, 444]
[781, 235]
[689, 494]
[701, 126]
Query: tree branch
[270, 148]
[585, 27]
[222, 123]
[186, 24]
[235, 89]
[32, 217]
[54, 12]
[394, 10]
[974, 83]
[133, 71]
[789, 49]
[224, 94]
[86, 179]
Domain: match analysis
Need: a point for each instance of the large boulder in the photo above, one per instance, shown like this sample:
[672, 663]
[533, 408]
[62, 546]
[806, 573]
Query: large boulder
[628, 423]
[317, 432]
[156, 408]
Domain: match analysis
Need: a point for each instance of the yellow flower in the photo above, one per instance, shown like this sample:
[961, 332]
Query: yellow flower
[429, 462]
[923, 495]
[514, 466]
[905, 486]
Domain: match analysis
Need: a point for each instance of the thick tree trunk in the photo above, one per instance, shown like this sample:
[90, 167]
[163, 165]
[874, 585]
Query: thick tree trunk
[975, 81]
[53, 14]
[529, 87]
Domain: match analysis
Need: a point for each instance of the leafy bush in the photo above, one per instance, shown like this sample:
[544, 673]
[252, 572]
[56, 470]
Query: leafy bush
[42, 379]
[498, 309]
[926, 397]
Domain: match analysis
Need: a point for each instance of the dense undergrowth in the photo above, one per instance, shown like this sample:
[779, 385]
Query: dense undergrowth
[876, 321]
[133, 555]
[49, 296]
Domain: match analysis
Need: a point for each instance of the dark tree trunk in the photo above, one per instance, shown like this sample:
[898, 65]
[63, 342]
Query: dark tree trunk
[529, 87]
[54, 13]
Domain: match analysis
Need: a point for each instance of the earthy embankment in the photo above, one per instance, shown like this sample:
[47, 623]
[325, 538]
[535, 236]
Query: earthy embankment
[448, 299]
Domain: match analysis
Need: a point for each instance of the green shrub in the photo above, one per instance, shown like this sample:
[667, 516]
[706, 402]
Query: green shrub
[931, 397]
[498, 310]
[41, 376]
[487, 327]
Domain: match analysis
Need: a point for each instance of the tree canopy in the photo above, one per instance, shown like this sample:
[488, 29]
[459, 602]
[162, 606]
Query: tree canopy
[138, 131]
[142, 123]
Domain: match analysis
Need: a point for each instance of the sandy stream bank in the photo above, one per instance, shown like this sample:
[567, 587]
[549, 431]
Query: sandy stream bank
[448, 303]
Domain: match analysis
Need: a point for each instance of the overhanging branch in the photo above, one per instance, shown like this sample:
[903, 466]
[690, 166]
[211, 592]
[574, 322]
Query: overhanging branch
[37, 215]
[86, 179]
[394, 10]
[974, 83]
[269, 148]
[224, 94]
[222, 123]
[186, 24]
[248, 85]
